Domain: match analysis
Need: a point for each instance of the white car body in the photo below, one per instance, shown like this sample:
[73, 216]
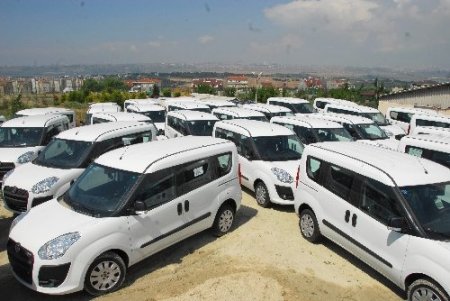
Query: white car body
[298, 106]
[402, 116]
[428, 120]
[49, 110]
[182, 122]
[269, 110]
[101, 107]
[320, 103]
[155, 112]
[238, 113]
[429, 146]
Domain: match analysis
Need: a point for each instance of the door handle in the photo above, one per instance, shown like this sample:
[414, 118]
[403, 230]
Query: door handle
[347, 216]
[354, 217]
[179, 208]
[186, 206]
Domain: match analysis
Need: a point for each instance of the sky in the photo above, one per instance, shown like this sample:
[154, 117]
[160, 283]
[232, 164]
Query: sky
[359, 33]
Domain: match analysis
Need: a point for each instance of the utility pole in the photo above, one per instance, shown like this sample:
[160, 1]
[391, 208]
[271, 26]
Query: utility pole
[258, 77]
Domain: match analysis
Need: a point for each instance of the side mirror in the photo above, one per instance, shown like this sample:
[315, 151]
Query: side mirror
[140, 207]
[71, 182]
[397, 224]
[249, 156]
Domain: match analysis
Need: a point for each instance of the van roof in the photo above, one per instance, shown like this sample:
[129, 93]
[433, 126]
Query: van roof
[238, 112]
[141, 101]
[287, 99]
[145, 107]
[306, 120]
[217, 102]
[266, 108]
[121, 116]
[428, 138]
[404, 169]
[431, 130]
[34, 120]
[335, 101]
[94, 132]
[192, 115]
[103, 107]
[188, 104]
[254, 128]
[139, 157]
[353, 108]
[431, 117]
[412, 110]
[43, 111]
[345, 118]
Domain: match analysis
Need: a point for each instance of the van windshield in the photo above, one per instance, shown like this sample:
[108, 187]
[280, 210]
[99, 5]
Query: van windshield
[431, 206]
[257, 118]
[371, 131]
[100, 190]
[156, 116]
[201, 127]
[378, 118]
[62, 153]
[304, 108]
[333, 134]
[20, 137]
[279, 148]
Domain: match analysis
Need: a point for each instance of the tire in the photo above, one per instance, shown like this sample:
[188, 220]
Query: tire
[262, 195]
[309, 228]
[105, 275]
[223, 221]
[426, 290]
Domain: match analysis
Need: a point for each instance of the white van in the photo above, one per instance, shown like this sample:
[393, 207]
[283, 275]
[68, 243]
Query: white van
[393, 131]
[238, 112]
[298, 106]
[22, 138]
[129, 204]
[430, 130]
[269, 110]
[268, 158]
[320, 103]
[216, 102]
[428, 120]
[119, 116]
[139, 102]
[386, 208]
[101, 107]
[362, 129]
[155, 112]
[311, 130]
[65, 158]
[187, 122]
[431, 146]
[402, 116]
[175, 105]
[50, 110]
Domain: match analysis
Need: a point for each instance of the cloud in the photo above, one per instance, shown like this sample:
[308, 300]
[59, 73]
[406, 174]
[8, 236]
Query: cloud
[205, 39]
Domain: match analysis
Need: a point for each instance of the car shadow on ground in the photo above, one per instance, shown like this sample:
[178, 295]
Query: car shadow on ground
[175, 254]
[5, 224]
[362, 266]
[282, 208]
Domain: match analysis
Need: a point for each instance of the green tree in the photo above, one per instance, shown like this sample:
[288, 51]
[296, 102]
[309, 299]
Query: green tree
[177, 94]
[155, 91]
[166, 92]
[112, 83]
[205, 89]
[230, 91]
[75, 96]
[17, 104]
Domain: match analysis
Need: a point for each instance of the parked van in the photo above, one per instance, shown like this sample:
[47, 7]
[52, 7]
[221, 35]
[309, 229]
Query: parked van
[368, 112]
[269, 110]
[430, 130]
[50, 110]
[386, 208]
[101, 107]
[65, 158]
[175, 105]
[139, 102]
[431, 146]
[213, 103]
[297, 105]
[238, 112]
[362, 129]
[320, 103]
[268, 155]
[428, 120]
[129, 204]
[402, 116]
[186, 122]
[311, 130]
[22, 138]
[119, 116]
[156, 113]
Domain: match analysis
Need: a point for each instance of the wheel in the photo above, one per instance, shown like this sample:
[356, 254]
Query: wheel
[309, 226]
[426, 290]
[262, 195]
[105, 274]
[224, 220]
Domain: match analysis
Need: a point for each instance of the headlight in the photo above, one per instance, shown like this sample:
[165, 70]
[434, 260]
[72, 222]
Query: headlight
[26, 157]
[57, 247]
[7, 175]
[282, 175]
[44, 185]
[16, 220]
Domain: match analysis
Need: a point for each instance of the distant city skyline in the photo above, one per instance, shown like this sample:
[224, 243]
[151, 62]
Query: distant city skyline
[360, 33]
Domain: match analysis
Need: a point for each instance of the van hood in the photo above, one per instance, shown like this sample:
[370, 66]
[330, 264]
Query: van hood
[390, 144]
[392, 130]
[290, 166]
[11, 154]
[46, 222]
[28, 174]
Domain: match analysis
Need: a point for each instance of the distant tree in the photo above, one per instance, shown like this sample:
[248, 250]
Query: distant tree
[266, 92]
[112, 83]
[166, 92]
[177, 94]
[17, 104]
[91, 85]
[155, 91]
[230, 91]
[75, 96]
[205, 89]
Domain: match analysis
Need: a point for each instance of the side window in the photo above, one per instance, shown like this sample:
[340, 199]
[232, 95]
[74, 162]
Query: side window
[339, 181]
[194, 175]
[70, 116]
[224, 163]
[378, 201]
[393, 115]
[305, 134]
[137, 138]
[415, 151]
[314, 168]
[96, 120]
[50, 133]
[351, 129]
[157, 188]
[440, 157]
[321, 104]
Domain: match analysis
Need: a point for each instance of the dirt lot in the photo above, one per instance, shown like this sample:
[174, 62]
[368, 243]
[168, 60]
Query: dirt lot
[263, 258]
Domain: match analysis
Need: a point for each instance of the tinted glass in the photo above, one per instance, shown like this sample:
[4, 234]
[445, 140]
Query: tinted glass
[313, 168]
[156, 116]
[224, 163]
[201, 127]
[339, 181]
[258, 118]
[371, 132]
[64, 154]
[441, 124]
[304, 108]
[157, 188]
[333, 134]
[20, 137]
[279, 148]
[378, 118]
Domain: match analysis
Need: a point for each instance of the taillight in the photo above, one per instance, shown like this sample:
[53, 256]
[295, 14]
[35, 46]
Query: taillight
[239, 174]
[297, 177]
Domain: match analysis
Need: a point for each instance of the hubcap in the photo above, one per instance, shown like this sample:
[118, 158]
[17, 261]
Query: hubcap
[105, 275]
[225, 220]
[260, 194]
[425, 294]
[307, 225]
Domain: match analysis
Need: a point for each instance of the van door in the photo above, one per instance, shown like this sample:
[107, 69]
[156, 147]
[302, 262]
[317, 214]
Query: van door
[247, 155]
[379, 247]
